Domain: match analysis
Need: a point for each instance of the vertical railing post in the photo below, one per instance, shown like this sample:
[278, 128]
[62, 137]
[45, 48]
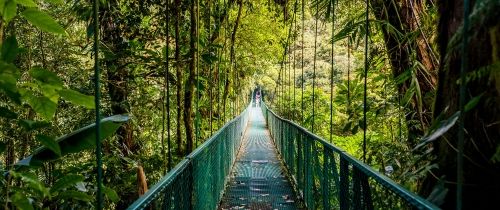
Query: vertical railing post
[191, 200]
[300, 167]
[326, 178]
[344, 184]
[308, 175]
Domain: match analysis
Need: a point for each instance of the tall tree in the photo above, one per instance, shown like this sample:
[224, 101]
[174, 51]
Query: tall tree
[481, 169]
[189, 86]
[178, 74]
[227, 83]
[403, 17]
[117, 74]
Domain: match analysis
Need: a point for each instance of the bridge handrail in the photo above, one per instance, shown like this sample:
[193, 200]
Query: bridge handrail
[183, 175]
[414, 200]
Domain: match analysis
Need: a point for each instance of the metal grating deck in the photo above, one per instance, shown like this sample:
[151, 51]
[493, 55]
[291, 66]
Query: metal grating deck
[258, 180]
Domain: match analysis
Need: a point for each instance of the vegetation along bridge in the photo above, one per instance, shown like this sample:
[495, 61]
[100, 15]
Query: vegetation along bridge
[262, 161]
[249, 104]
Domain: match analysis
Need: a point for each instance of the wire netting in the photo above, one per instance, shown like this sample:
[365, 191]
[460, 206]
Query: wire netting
[198, 181]
[258, 179]
[329, 178]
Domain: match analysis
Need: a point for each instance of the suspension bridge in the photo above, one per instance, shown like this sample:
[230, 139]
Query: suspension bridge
[260, 160]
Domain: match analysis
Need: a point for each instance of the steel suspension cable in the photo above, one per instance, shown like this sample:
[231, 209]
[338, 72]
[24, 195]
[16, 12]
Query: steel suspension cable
[332, 69]
[220, 53]
[463, 86]
[367, 28]
[302, 66]
[314, 66]
[166, 91]
[290, 112]
[210, 70]
[294, 61]
[289, 90]
[97, 101]
[197, 60]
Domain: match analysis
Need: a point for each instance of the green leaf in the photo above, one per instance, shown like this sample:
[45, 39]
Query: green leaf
[43, 21]
[50, 143]
[31, 125]
[65, 182]
[21, 201]
[27, 3]
[55, 1]
[32, 181]
[77, 98]
[2, 6]
[111, 194]
[473, 102]
[9, 75]
[43, 106]
[75, 195]
[46, 77]
[77, 141]
[9, 49]
[10, 10]
[6, 113]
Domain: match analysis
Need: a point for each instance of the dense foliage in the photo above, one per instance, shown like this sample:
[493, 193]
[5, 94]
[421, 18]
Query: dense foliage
[173, 72]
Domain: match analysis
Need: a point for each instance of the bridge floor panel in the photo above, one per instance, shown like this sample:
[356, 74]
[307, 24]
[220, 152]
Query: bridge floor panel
[258, 180]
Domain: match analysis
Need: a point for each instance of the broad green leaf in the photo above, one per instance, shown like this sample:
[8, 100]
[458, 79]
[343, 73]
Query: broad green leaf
[6, 113]
[32, 181]
[77, 141]
[111, 194]
[75, 195]
[10, 10]
[31, 125]
[26, 3]
[50, 143]
[2, 6]
[46, 77]
[21, 201]
[66, 182]
[50, 91]
[43, 21]
[9, 75]
[77, 98]
[9, 49]
[473, 102]
[43, 106]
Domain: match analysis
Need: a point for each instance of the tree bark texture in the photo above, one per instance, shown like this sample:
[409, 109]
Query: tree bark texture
[482, 123]
[190, 82]
[404, 17]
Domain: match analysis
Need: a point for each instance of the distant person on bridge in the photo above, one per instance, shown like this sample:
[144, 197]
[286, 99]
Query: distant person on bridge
[257, 99]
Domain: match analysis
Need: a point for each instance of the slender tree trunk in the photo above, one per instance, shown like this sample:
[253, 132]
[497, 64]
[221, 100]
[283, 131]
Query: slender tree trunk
[481, 171]
[117, 82]
[117, 77]
[178, 73]
[232, 55]
[190, 82]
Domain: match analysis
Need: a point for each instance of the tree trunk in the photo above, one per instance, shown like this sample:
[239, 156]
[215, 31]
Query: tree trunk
[227, 84]
[482, 128]
[189, 91]
[117, 80]
[178, 73]
[404, 17]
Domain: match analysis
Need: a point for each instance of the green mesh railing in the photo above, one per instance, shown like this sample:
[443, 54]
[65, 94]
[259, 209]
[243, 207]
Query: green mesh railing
[197, 182]
[329, 178]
